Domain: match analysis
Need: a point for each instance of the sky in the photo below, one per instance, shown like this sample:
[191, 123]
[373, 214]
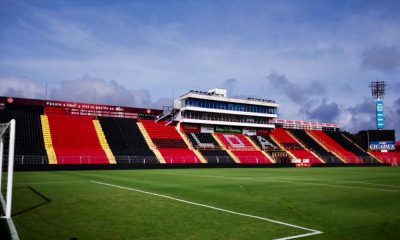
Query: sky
[315, 58]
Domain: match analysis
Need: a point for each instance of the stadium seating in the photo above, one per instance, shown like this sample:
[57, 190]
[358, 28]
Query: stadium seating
[126, 141]
[291, 145]
[179, 155]
[362, 156]
[314, 146]
[203, 140]
[333, 146]
[209, 148]
[265, 142]
[169, 142]
[242, 148]
[29, 145]
[75, 140]
[388, 157]
[252, 156]
[217, 156]
[235, 141]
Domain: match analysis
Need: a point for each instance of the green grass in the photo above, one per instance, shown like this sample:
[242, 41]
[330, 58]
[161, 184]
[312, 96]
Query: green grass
[343, 203]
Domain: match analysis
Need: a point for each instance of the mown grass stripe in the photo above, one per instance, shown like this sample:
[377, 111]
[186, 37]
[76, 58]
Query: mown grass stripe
[312, 231]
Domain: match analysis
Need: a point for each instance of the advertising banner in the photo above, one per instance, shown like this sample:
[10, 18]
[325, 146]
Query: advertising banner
[228, 129]
[377, 146]
[250, 132]
[379, 114]
[190, 128]
[207, 129]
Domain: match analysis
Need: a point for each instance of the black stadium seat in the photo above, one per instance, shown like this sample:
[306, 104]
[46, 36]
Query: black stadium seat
[126, 141]
[217, 156]
[29, 144]
[350, 146]
[312, 145]
[209, 148]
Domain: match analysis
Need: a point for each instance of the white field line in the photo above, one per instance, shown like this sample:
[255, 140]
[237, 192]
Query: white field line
[311, 231]
[284, 180]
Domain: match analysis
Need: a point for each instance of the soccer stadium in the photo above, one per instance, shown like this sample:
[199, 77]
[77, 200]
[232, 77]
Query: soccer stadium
[211, 167]
[199, 120]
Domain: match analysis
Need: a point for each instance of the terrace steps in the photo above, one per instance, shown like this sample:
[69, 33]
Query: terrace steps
[304, 147]
[150, 143]
[223, 147]
[190, 146]
[259, 149]
[48, 143]
[371, 155]
[103, 141]
[282, 147]
[323, 144]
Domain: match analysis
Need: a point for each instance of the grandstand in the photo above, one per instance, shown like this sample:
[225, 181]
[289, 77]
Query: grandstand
[203, 128]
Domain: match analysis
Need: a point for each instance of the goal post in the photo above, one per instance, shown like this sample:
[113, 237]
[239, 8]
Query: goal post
[7, 129]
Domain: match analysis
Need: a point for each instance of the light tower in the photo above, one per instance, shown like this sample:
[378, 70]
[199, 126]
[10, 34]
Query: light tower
[378, 92]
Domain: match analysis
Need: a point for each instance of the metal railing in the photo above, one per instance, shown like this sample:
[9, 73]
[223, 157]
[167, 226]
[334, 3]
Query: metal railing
[136, 159]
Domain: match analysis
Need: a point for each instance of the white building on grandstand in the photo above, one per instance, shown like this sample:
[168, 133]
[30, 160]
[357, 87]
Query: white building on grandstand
[214, 109]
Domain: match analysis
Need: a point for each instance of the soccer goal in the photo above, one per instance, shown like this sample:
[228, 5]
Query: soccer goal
[7, 143]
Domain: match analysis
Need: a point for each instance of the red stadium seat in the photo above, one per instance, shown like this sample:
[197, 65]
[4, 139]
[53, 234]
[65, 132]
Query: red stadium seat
[75, 140]
[284, 138]
[242, 148]
[169, 142]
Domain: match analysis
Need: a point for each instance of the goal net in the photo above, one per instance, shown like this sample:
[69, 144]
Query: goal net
[7, 143]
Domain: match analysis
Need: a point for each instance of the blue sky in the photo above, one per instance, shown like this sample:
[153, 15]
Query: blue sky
[316, 58]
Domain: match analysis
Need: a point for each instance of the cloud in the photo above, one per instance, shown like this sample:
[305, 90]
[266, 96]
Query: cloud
[360, 116]
[397, 106]
[21, 87]
[365, 107]
[383, 59]
[326, 112]
[85, 89]
[98, 90]
[295, 92]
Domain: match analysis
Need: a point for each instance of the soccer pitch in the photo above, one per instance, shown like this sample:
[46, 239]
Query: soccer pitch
[287, 203]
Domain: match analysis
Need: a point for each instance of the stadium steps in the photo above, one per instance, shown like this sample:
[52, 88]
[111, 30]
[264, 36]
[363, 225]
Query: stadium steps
[293, 146]
[217, 156]
[334, 146]
[356, 154]
[240, 146]
[48, 143]
[189, 144]
[75, 140]
[258, 149]
[305, 147]
[362, 150]
[388, 157]
[309, 142]
[223, 147]
[150, 143]
[282, 147]
[328, 148]
[275, 152]
[169, 142]
[103, 141]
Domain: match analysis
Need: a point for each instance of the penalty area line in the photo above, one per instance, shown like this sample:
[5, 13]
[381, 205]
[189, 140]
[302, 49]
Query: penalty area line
[311, 231]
